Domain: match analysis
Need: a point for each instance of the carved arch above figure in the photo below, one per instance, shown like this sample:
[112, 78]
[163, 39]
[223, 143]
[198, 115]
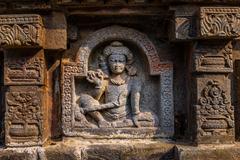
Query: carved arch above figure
[121, 34]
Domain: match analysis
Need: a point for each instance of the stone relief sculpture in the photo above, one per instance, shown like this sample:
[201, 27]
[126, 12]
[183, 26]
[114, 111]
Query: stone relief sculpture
[117, 87]
[115, 99]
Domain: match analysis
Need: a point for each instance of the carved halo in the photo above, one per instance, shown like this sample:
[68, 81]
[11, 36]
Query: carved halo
[118, 33]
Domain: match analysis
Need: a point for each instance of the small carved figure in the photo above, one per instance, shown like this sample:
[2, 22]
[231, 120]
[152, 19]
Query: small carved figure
[118, 85]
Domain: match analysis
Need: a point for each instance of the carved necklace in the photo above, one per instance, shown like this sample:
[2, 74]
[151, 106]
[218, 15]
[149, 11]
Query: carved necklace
[118, 81]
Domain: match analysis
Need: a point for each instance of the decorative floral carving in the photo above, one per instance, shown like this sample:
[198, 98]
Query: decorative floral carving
[220, 21]
[21, 30]
[24, 117]
[214, 112]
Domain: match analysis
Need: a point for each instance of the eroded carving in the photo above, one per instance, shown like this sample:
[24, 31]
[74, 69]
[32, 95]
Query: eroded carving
[219, 21]
[21, 30]
[214, 112]
[24, 70]
[24, 117]
[213, 59]
[121, 88]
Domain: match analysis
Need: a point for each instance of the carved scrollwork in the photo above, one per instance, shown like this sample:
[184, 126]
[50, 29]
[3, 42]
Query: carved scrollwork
[219, 21]
[214, 112]
[21, 30]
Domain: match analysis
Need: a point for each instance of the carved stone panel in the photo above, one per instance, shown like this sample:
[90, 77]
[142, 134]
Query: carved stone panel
[21, 30]
[108, 93]
[214, 112]
[24, 116]
[213, 58]
[219, 22]
[20, 70]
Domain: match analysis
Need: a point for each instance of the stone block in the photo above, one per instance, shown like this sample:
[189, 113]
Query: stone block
[229, 152]
[56, 31]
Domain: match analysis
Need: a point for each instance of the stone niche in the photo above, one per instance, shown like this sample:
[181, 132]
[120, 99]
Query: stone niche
[117, 87]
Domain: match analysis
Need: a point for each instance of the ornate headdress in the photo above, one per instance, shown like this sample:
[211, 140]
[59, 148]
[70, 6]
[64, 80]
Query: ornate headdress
[118, 48]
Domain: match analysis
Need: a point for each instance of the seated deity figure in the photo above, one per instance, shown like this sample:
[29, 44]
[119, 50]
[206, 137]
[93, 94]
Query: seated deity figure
[115, 99]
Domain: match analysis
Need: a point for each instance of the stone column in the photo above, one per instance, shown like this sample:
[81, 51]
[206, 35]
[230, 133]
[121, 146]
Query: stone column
[212, 112]
[213, 120]
[21, 36]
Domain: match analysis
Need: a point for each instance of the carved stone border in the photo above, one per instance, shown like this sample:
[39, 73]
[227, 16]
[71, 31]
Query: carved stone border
[70, 70]
[120, 33]
[166, 99]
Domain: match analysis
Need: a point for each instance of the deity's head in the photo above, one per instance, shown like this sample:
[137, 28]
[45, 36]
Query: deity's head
[118, 57]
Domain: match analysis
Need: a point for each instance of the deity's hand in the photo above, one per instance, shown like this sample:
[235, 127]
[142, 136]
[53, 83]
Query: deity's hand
[135, 121]
[95, 77]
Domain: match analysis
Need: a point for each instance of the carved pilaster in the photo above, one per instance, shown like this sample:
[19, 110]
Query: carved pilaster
[212, 110]
[25, 114]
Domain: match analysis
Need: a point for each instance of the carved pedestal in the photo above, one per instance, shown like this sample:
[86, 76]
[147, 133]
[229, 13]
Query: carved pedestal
[212, 108]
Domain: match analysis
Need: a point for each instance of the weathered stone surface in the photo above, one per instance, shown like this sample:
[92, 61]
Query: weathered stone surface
[120, 113]
[212, 108]
[213, 58]
[119, 79]
[183, 26]
[55, 31]
[223, 152]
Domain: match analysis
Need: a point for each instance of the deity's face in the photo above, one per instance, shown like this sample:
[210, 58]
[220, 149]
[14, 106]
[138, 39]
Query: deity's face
[117, 63]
